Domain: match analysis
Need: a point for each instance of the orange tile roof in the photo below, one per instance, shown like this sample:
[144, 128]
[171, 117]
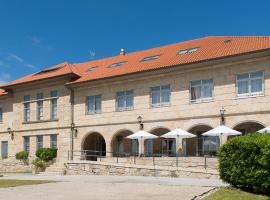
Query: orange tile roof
[212, 47]
[2, 92]
[60, 70]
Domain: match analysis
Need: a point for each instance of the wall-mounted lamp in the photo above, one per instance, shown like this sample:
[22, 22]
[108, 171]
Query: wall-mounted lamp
[140, 122]
[10, 132]
[73, 129]
[222, 117]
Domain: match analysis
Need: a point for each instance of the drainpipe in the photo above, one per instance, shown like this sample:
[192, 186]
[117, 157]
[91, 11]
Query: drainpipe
[72, 125]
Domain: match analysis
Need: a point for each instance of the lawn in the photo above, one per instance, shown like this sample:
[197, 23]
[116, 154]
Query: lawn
[4, 183]
[234, 194]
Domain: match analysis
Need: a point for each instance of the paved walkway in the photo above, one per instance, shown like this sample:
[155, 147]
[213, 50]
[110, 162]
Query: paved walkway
[109, 188]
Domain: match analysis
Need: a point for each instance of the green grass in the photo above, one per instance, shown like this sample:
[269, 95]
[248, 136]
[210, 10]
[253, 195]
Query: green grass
[234, 194]
[4, 183]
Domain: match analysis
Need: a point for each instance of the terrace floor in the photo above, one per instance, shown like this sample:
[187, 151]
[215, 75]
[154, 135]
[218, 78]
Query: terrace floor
[109, 188]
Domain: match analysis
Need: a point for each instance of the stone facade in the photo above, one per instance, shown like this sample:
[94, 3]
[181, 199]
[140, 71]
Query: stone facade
[109, 123]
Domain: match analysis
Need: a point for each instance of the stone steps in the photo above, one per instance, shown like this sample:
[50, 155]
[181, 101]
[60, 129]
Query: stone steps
[54, 169]
[51, 173]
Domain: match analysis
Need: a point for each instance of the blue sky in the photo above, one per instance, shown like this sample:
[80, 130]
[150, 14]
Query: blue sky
[38, 34]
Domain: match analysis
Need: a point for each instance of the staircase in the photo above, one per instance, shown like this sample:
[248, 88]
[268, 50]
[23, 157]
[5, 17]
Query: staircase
[58, 168]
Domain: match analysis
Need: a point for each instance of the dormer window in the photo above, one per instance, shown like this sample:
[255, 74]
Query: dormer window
[186, 51]
[118, 64]
[90, 69]
[45, 71]
[150, 58]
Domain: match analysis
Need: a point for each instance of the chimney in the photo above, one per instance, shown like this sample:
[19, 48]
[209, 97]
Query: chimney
[122, 52]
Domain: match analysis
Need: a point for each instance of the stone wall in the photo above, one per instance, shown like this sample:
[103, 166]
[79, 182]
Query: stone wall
[14, 166]
[97, 168]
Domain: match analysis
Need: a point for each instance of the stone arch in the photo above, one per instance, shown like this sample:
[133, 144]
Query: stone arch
[122, 146]
[195, 146]
[93, 145]
[248, 126]
[158, 146]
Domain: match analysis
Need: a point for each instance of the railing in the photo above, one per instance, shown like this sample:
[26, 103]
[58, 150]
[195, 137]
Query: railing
[172, 160]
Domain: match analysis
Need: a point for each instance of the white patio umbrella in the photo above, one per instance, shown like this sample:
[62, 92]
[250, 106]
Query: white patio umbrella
[221, 130]
[264, 130]
[142, 135]
[177, 134]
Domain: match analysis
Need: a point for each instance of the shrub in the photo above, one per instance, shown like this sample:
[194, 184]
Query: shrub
[22, 155]
[46, 154]
[245, 162]
[38, 163]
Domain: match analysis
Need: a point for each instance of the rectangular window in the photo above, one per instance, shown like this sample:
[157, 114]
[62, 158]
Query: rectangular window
[160, 96]
[4, 149]
[26, 143]
[26, 105]
[201, 90]
[93, 104]
[124, 100]
[40, 106]
[39, 141]
[53, 141]
[54, 99]
[1, 115]
[250, 84]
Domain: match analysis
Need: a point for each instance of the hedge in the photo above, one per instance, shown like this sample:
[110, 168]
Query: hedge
[22, 155]
[245, 162]
[46, 154]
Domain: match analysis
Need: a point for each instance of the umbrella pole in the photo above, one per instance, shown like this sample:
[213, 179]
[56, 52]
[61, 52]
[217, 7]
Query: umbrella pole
[141, 146]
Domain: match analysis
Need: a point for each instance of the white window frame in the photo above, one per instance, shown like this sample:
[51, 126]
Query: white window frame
[26, 147]
[54, 105]
[27, 109]
[125, 108]
[201, 100]
[1, 115]
[95, 111]
[51, 141]
[40, 107]
[249, 94]
[160, 104]
[2, 147]
[39, 144]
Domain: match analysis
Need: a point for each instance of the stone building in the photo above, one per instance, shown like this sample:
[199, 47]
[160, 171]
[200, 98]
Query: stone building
[94, 105]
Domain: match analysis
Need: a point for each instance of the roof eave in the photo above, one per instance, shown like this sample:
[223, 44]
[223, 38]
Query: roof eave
[71, 84]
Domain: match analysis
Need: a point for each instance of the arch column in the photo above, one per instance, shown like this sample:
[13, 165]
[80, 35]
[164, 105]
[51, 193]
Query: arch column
[120, 145]
[195, 146]
[94, 146]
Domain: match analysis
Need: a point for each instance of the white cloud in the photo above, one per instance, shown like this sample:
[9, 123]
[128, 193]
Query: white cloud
[4, 78]
[14, 59]
[38, 42]
[12, 56]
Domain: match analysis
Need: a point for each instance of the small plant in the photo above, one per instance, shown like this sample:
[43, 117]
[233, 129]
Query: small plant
[46, 154]
[4, 157]
[38, 163]
[22, 155]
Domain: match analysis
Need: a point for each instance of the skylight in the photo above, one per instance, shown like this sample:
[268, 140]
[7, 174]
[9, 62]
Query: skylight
[227, 41]
[150, 58]
[90, 69]
[118, 64]
[45, 71]
[186, 51]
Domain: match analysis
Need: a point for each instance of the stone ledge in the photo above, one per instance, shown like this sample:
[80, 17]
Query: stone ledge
[96, 168]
